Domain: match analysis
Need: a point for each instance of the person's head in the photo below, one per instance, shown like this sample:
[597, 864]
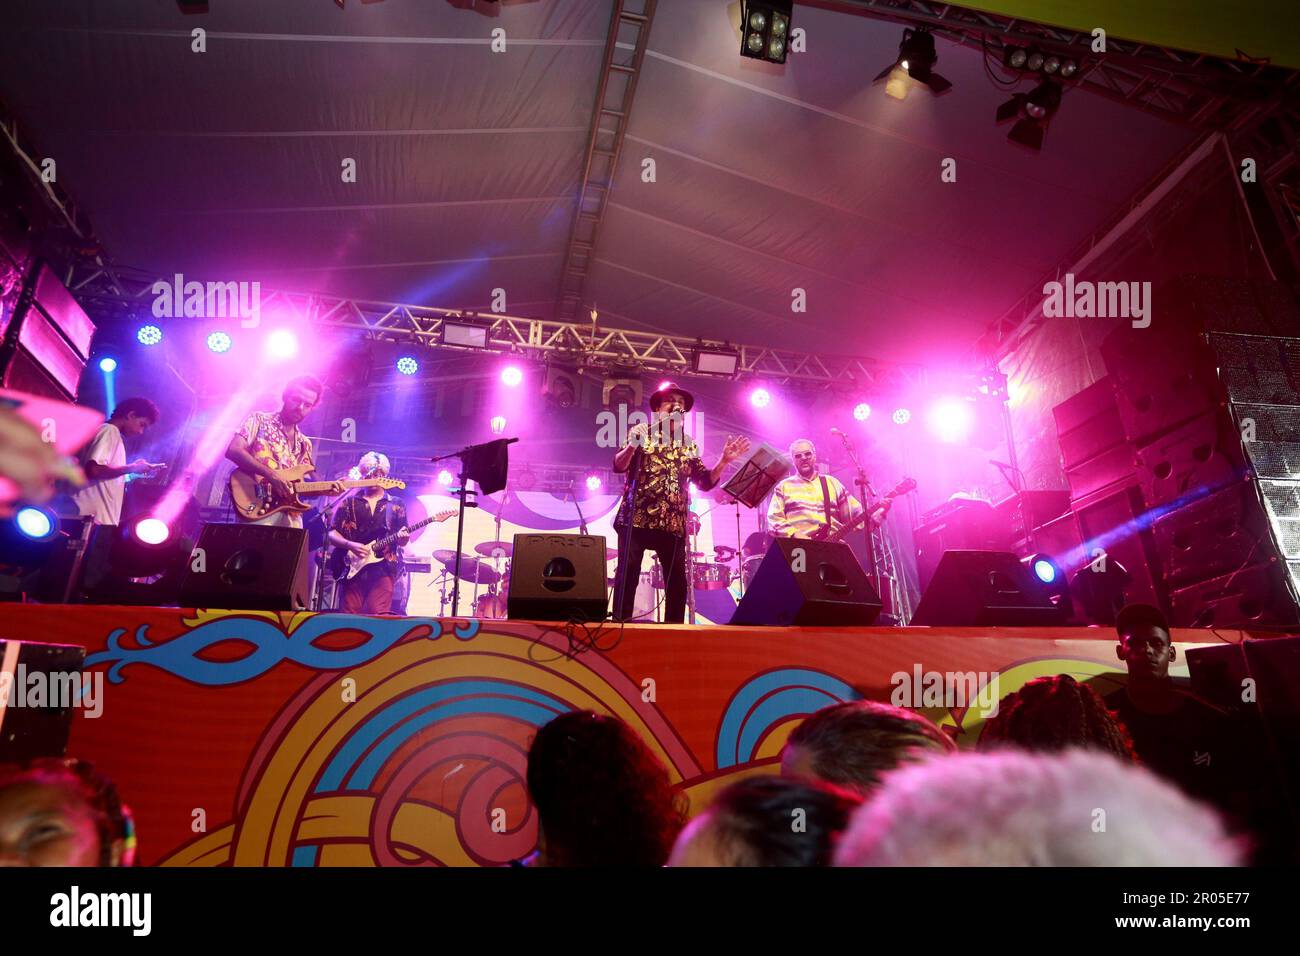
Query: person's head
[767, 821]
[57, 812]
[1051, 714]
[671, 401]
[602, 797]
[373, 464]
[1079, 808]
[804, 455]
[852, 744]
[1144, 644]
[300, 396]
[134, 416]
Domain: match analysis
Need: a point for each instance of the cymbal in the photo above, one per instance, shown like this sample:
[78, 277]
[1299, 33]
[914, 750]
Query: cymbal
[490, 548]
[471, 568]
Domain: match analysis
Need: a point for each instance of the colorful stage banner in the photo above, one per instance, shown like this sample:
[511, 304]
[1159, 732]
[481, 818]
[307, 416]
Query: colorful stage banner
[300, 739]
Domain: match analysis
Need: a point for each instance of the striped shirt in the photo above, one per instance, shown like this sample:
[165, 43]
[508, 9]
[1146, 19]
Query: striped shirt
[797, 507]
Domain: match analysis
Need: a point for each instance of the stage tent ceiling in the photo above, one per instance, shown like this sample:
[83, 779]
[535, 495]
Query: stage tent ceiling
[226, 165]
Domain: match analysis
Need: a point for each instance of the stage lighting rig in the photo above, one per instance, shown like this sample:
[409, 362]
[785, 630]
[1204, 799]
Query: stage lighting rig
[721, 362]
[765, 29]
[1033, 111]
[916, 57]
[1029, 60]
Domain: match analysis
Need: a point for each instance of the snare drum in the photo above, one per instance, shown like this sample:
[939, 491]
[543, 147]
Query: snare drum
[490, 607]
[709, 576]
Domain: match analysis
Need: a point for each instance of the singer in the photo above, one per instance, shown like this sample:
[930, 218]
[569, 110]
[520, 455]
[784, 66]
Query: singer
[808, 503]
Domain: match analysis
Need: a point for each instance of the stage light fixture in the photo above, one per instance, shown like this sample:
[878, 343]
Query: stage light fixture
[593, 482]
[862, 411]
[151, 531]
[902, 416]
[711, 362]
[36, 524]
[917, 57]
[621, 391]
[1030, 60]
[464, 334]
[148, 335]
[951, 419]
[765, 29]
[108, 365]
[407, 365]
[511, 375]
[281, 345]
[1033, 111]
[760, 398]
[444, 477]
[561, 387]
[498, 424]
[219, 342]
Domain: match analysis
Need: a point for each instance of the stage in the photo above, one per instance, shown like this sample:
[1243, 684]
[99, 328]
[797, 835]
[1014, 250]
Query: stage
[255, 738]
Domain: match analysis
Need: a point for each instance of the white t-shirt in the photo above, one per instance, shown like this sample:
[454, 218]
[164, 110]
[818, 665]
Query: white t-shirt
[103, 499]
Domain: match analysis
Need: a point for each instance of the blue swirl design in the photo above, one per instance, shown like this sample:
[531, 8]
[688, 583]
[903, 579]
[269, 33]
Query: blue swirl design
[270, 644]
[768, 699]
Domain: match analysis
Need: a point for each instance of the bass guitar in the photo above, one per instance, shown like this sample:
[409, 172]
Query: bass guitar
[345, 565]
[254, 498]
[825, 533]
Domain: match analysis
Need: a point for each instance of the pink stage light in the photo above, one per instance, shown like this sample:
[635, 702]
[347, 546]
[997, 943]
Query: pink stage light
[498, 424]
[662, 385]
[862, 411]
[281, 345]
[511, 375]
[760, 398]
[951, 419]
[593, 482]
[902, 416]
[152, 530]
[444, 477]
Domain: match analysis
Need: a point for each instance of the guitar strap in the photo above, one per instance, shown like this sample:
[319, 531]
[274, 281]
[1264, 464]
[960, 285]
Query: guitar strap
[826, 501]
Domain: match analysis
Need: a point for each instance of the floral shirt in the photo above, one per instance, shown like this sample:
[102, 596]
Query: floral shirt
[357, 521]
[268, 443]
[661, 474]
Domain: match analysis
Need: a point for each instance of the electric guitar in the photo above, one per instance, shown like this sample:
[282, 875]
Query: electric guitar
[253, 497]
[825, 533]
[345, 565]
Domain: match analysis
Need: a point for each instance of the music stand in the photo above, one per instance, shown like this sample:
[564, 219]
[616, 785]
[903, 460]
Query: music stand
[751, 483]
[488, 465]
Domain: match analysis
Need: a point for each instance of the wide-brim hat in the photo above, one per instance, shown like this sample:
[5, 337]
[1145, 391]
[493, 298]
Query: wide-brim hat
[665, 390]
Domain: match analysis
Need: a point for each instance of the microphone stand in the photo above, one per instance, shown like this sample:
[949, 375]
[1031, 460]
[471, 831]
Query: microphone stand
[865, 490]
[582, 522]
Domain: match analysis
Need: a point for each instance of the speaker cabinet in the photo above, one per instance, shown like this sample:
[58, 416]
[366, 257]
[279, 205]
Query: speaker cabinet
[982, 588]
[558, 577]
[810, 584]
[248, 567]
[1258, 594]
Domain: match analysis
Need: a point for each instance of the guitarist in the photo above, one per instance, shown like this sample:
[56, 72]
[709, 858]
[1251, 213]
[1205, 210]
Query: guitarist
[270, 441]
[360, 518]
[807, 502]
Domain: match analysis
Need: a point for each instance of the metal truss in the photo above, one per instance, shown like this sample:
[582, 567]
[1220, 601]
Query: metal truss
[1195, 88]
[129, 294]
[625, 46]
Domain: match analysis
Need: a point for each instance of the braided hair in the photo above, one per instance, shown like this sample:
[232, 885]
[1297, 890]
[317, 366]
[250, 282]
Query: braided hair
[1052, 714]
[113, 819]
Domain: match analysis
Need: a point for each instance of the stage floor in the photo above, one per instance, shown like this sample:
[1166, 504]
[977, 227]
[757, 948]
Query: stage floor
[316, 739]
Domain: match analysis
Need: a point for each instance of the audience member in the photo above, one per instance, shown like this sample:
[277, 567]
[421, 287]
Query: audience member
[1078, 808]
[56, 812]
[1051, 714]
[767, 821]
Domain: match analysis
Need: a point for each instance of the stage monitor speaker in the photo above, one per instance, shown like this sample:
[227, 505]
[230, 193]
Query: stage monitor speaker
[248, 567]
[558, 577]
[27, 729]
[981, 588]
[810, 584]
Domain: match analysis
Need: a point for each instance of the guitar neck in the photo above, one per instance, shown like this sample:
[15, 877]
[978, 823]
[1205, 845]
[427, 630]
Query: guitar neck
[866, 515]
[307, 487]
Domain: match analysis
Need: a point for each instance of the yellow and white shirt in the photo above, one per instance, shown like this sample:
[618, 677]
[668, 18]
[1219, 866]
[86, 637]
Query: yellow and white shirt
[796, 508]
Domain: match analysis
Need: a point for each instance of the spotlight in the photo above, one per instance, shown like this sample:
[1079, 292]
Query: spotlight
[149, 335]
[760, 398]
[711, 362]
[862, 411]
[1052, 64]
[561, 387]
[951, 419]
[593, 482]
[1068, 69]
[1044, 568]
[664, 384]
[917, 57]
[108, 365]
[623, 387]
[902, 416]
[219, 342]
[1032, 112]
[498, 424]
[444, 477]
[765, 29]
[281, 345]
[1029, 60]
[151, 531]
[407, 365]
[36, 523]
[464, 334]
[510, 375]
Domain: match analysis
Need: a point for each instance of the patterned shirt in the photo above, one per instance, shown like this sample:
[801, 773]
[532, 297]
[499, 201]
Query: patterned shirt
[797, 507]
[267, 442]
[661, 475]
[357, 521]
